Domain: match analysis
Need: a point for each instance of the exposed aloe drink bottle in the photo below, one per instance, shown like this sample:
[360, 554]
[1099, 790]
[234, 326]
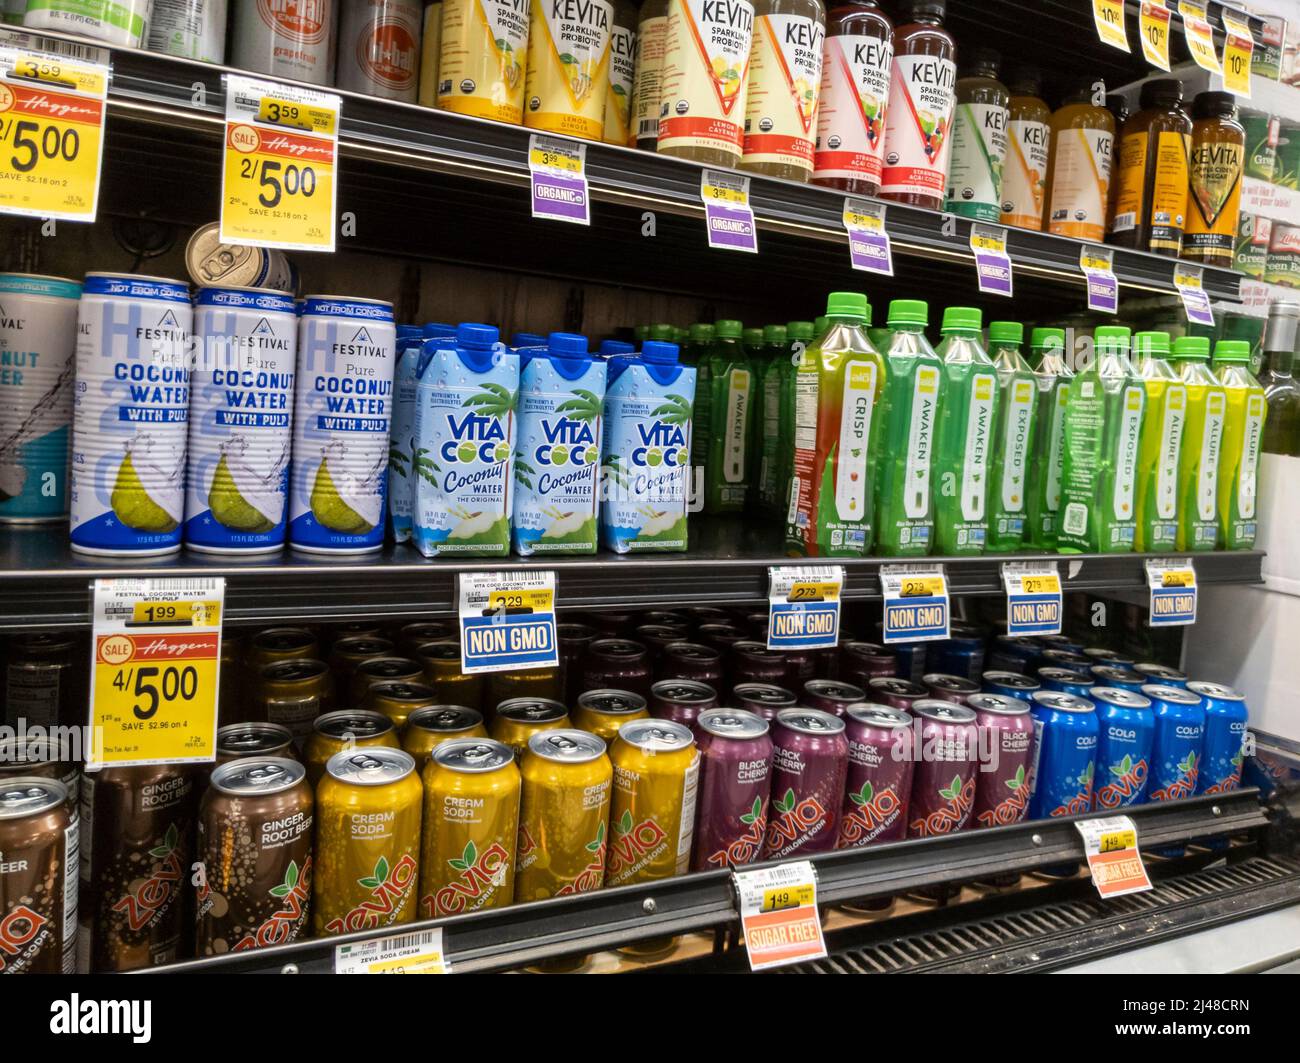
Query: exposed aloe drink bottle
[1052, 376]
[724, 405]
[908, 419]
[557, 457]
[465, 427]
[401, 445]
[1198, 467]
[1243, 433]
[1103, 427]
[837, 386]
[1013, 442]
[766, 420]
[799, 335]
[964, 451]
[1160, 449]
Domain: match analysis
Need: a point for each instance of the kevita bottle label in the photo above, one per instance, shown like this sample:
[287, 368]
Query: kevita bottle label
[1024, 173]
[568, 55]
[784, 84]
[917, 125]
[620, 76]
[978, 152]
[481, 67]
[706, 70]
[851, 111]
[1081, 185]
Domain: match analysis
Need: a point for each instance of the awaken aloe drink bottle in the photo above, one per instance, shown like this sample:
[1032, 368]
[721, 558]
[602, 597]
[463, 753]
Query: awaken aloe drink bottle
[1243, 434]
[1052, 376]
[1013, 443]
[724, 404]
[1198, 467]
[1103, 427]
[837, 386]
[908, 415]
[765, 423]
[966, 430]
[1160, 449]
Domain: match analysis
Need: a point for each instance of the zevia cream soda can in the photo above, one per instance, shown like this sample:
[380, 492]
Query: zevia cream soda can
[240, 420]
[131, 407]
[568, 60]
[481, 64]
[347, 352]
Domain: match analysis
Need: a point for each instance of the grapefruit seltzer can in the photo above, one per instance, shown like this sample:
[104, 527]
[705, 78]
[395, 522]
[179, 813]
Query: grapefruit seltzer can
[563, 815]
[1125, 729]
[347, 354]
[652, 812]
[1006, 735]
[946, 747]
[38, 339]
[1065, 754]
[1178, 744]
[810, 760]
[379, 48]
[735, 781]
[471, 828]
[286, 39]
[1225, 736]
[131, 412]
[368, 809]
[879, 783]
[241, 414]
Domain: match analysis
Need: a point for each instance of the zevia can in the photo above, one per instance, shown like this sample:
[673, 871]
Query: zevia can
[379, 48]
[809, 763]
[735, 780]
[1006, 733]
[131, 411]
[1125, 728]
[1179, 740]
[1065, 754]
[1225, 735]
[192, 29]
[116, 22]
[38, 878]
[347, 351]
[943, 785]
[241, 416]
[879, 785]
[38, 338]
[286, 38]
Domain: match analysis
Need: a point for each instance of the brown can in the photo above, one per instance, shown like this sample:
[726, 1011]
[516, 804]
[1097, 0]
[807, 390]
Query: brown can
[279, 644]
[38, 756]
[382, 670]
[137, 843]
[38, 877]
[293, 693]
[239, 741]
[441, 664]
[45, 685]
[345, 729]
[254, 844]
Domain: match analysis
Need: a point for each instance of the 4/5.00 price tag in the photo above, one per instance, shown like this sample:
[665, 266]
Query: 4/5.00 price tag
[155, 663]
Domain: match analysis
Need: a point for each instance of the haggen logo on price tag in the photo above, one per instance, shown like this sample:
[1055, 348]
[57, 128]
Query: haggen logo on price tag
[1173, 592]
[916, 603]
[507, 621]
[559, 179]
[727, 212]
[992, 263]
[804, 606]
[1033, 598]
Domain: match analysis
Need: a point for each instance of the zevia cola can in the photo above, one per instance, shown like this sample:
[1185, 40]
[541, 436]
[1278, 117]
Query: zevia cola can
[735, 782]
[38, 877]
[254, 846]
[1125, 731]
[471, 828]
[131, 411]
[943, 784]
[347, 351]
[1006, 734]
[1065, 754]
[879, 781]
[1177, 746]
[810, 761]
[1225, 736]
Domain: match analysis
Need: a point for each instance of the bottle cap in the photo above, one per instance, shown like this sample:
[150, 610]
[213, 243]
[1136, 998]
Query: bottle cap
[436, 330]
[908, 312]
[1026, 81]
[728, 329]
[1115, 336]
[1162, 92]
[1043, 338]
[527, 339]
[928, 8]
[819, 324]
[1151, 343]
[1214, 105]
[1233, 351]
[1192, 348]
[567, 344]
[799, 330]
[847, 304]
[1007, 332]
[983, 62]
[658, 352]
[773, 334]
[474, 335]
[961, 319]
[610, 348]
[701, 332]
[752, 337]
[663, 333]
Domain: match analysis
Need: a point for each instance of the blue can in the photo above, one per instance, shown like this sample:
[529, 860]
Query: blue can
[1101, 655]
[1126, 728]
[1012, 654]
[912, 663]
[1268, 772]
[1122, 678]
[1225, 734]
[1160, 674]
[1010, 684]
[1059, 642]
[1066, 681]
[1057, 658]
[1179, 739]
[962, 653]
[1065, 753]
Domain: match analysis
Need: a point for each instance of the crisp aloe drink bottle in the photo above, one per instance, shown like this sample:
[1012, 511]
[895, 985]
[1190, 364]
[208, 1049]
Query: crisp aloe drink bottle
[1052, 376]
[727, 390]
[1103, 428]
[837, 386]
[1160, 450]
[1013, 444]
[1198, 467]
[964, 452]
[1243, 433]
[908, 416]
[766, 421]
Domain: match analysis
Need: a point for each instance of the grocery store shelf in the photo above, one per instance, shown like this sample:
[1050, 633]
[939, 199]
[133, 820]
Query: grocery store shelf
[1266, 96]
[43, 583]
[512, 937]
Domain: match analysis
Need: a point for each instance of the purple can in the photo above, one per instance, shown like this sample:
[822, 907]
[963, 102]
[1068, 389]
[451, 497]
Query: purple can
[753, 662]
[801, 666]
[572, 640]
[617, 664]
[1006, 733]
[763, 699]
[735, 777]
[810, 759]
[879, 783]
[896, 693]
[861, 661]
[706, 614]
[658, 636]
[682, 701]
[691, 660]
[720, 636]
[943, 784]
[665, 616]
[954, 688]
[756, 624]
[831, 696]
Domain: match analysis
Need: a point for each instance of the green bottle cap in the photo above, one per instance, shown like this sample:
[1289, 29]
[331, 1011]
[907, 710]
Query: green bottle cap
[1043, 338]
[773, 334]
[663, 333]
[701, 332]
[1192, 348]
[908, 312]
[641, 332]
[799, 330]
[1111, 337]
[847, 304]
[1233, 351]
[682, 335]
[1008, 333]
[961, 319]
[753, 337]
[728, 329]
[1151, 343]
[819, 325]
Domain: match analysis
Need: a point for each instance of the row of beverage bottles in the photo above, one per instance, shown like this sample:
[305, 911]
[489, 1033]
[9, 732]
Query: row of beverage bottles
[404, 806]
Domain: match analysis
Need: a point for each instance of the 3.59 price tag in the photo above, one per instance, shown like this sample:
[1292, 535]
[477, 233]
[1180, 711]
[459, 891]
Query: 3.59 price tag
[51, 127]
[1033, 598]
[778, 914]
[155, 664]
[1173, 591]
[1113, 856]
[507, 621]
[804, 606]
[278, 186]
[916, 603]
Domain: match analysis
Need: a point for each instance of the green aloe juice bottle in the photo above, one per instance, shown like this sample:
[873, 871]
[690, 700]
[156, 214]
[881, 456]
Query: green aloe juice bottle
[1052, 376]
[1243, 434]
[1160, 449]
[1198, 467]
[1013, 444]
[722, 420]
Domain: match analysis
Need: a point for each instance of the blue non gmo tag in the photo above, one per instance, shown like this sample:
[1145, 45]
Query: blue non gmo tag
[916, 619]
[1033, 614]
[498, 643]
[1172, 606]
[803, 625]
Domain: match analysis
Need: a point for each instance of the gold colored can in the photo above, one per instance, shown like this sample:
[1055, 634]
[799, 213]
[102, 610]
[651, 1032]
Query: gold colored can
[429, 727]
[335, 633]
[397, 699]
[534, 683]
[414, 635]
[381, 670]
[518, 719]
[232, 704]
[293, 693]
[279, 644]
[471, 827]
[652, 813]
[441, 663]
[348, 653]
[368, 809]
[563, 815]
[603, 712]
[345, 729]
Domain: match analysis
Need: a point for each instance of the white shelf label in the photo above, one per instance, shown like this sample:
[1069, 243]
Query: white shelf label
[778, 914]
[1173, 591]
[558, 171]
[1097, 264]
[804, 606]
[992, 263]
[916, 603]
[1033, 598]
[507, 621]
[1113, 856]
[419, 952]
[727, 213]
[869, 247]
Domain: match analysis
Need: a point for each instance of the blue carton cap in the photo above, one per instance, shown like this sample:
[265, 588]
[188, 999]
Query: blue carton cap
[475, 335]
[610, 348]
[437, 330]
[409, 332]
[567, 344]
[659, 352]
[527, 339]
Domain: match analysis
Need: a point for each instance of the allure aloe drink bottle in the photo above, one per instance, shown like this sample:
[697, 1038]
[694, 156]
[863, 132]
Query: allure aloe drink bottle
[1243, 432]
[1198, 467]
[1160, 449]
[1013, 440]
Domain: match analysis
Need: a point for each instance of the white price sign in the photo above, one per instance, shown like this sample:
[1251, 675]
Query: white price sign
[916, 603]
[1173, 591]
[804, 606]
[507, 621]
[778, 914]
[419, 952]
[1113, 856]
[1033, 598]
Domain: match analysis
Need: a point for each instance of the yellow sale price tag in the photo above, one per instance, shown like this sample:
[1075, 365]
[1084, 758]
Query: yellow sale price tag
[922, 586]
[323, 120]
[1153, 31]
[428, 964]
[1200, 38]
[553, 159]
[1178, 578]
[860, 219]
[1238, 47]
[539, 600]
[199, 614]
[779, 898]
[813, 592]
[726, 195]
[1108, 16]
[989, 241]
[1041, 584]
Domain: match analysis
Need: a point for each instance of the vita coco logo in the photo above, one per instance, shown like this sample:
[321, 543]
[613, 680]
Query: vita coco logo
[1011, 809]
[22, 934]
[479, 876]
[746, 847]
[388, 886]
[475, 437]
[871, 813]
[958, 798]
[662, 443]
[1082, 799]
[591, 877]
[1185, 785]
[1124, 786]
[146, 903]
[566, 441]
[283, 925]
[635, 845]
[794, 822]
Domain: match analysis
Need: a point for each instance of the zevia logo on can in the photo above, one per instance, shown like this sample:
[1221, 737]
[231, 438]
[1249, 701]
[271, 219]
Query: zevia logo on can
[18, 930]
[480, 875]
[1184, 785]
[1081, 801]
[1011, 809]
[635, 844]
[744, 849]
[388, 888]
[793, 820]
[286, 924]
[1126, 781]
[871, 814]
[959, 798]
[153, 896]
[591, 877]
